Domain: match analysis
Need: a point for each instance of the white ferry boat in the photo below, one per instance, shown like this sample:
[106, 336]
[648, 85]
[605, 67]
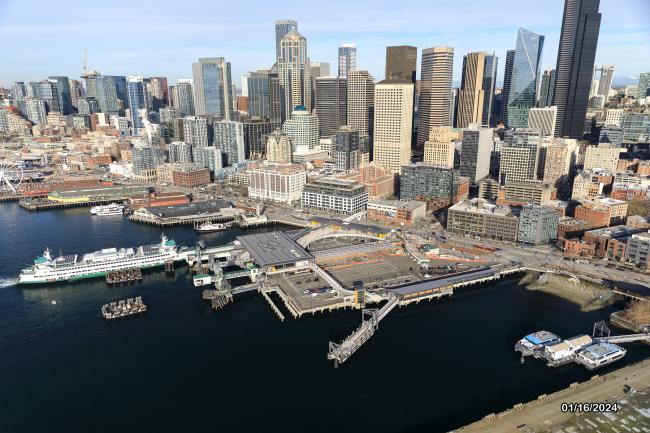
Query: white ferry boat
[599, 354]
[74, 267]
[210, 227]
[109, 209]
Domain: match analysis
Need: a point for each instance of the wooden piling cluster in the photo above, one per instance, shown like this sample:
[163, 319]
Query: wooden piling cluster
[123, 308]
[218, 298]
[124, 276]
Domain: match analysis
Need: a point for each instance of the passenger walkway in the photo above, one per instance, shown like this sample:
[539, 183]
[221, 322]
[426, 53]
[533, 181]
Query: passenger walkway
[340, 353]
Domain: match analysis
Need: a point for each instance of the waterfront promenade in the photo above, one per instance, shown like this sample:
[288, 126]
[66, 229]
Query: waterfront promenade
[543, 413]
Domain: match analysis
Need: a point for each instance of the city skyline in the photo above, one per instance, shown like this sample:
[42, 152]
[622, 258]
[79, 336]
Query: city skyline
[209, 33]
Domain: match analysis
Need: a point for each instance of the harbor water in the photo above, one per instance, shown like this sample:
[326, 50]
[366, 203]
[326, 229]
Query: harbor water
[184, 367]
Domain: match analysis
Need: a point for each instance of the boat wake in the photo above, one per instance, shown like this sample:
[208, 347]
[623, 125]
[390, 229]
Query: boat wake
[7, 282]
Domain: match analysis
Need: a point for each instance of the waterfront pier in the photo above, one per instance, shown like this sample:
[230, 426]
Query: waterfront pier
[340, 352]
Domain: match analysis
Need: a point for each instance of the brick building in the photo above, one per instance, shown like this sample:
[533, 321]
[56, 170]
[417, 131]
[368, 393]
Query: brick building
[396, 212]
[602, 212]
[188, 176]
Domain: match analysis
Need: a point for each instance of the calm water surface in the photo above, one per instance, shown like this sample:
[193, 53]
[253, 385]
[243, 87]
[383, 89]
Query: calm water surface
[183, 367]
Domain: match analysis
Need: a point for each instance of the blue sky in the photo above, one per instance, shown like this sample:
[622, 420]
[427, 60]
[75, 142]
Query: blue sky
[163, 38]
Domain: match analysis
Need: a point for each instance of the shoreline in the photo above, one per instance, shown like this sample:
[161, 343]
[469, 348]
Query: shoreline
[587, 295]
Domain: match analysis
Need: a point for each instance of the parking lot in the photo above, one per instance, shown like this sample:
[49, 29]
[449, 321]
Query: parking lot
[374, 270]
[307, 290]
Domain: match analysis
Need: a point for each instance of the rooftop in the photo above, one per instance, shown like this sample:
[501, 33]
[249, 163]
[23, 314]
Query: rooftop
[436, 283]
[400, 204]
[644, 236]
[482, 206]
[273, 248]
[194, 208]
[613, 232]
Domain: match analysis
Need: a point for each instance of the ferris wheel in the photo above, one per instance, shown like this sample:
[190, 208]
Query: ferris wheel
[11, 175]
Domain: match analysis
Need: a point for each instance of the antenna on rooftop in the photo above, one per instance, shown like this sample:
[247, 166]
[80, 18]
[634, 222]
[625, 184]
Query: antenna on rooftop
[85, 64]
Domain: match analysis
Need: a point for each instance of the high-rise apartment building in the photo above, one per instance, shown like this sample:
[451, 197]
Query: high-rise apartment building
[137, 98]
[183, 97]
[556, 160]
[347, 59]
[603, 157]
[475, 152]
[439, 148]
[331, 104]
[195, 131]
[229, 137]
[282, 28]
[278, 147]
[294, 71]
[36, 111]
[361, 102]
[401, 63]
[393, 123]
[212, 83]
[48, 92]
[435, 91]
[302, 128]
[544, 119]
[603, 76]
[62, 85]
[346, 148]
[106, 90]
[519, 154]
[180, 152]
[471, 94]
[643, 88]
[255, 131]
[575, 64]
[525, 77]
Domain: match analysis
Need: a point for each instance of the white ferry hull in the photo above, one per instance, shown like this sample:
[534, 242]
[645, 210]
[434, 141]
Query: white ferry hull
[43, 272]
[50, 279]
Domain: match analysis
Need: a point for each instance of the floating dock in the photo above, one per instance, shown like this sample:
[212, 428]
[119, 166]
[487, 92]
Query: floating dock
[123, 308]
[591, 352]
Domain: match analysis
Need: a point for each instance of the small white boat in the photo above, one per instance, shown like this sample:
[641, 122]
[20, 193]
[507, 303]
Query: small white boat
[201, 280]
[109, 209]
[210, 227]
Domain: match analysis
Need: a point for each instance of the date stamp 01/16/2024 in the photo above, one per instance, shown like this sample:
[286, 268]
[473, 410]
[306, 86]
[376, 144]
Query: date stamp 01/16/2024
[588, 407]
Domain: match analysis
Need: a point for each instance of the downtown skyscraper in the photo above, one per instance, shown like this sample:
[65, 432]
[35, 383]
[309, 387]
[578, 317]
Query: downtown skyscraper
[361, 102]
[401, 62]
[264, 99]
[282, 28]
[471, 95]
[507, 81]
[294, 71]
[434, 103]
[347, 59]
[212, 87]
[575, 64]
[525, 77]
[331, 104]
[489, 83]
